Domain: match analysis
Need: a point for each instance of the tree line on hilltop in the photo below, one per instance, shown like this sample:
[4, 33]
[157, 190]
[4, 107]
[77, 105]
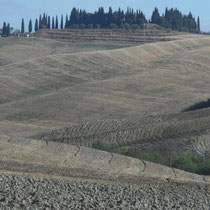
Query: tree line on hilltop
[130, 19]
[79, 19]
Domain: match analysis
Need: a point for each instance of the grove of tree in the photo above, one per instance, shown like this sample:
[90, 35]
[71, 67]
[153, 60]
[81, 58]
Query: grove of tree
[171, 19]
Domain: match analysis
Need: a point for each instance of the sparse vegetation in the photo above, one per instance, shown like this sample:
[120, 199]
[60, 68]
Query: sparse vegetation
[190, 161]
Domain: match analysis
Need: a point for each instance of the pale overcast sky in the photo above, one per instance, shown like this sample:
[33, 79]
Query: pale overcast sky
[13, 11]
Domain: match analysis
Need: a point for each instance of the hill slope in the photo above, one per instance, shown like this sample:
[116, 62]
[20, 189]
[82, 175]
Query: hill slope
[58, 90]
[176, 133]
[143, 88]
[28, 155]
[57, 175]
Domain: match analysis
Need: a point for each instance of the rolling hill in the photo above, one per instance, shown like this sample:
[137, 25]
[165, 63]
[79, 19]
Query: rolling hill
[175, 133]
[54, 91]
[58, 98]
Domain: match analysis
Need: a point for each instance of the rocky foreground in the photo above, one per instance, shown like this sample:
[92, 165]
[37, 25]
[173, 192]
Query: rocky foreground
[18, 192]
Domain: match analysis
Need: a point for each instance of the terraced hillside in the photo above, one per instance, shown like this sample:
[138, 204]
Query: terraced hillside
[117, 36]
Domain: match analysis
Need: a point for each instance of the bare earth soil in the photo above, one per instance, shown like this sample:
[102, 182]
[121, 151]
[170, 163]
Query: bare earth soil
[38, 174]
[42, 193]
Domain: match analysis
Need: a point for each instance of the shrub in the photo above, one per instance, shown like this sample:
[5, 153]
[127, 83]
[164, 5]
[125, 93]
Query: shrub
[82, 26]
[154, 157]
[187, 162]
[204, 167]
[135, 26]
[113, 26]
[101, 146]
[97, 26]
[128, 151]
[190, 162]
[75, 26]
[127, 26]
[90, 26]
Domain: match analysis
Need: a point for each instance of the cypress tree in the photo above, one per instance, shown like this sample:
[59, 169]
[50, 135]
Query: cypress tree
[73, 17]
[109, 17]
[22, 26]
[198, 24]
[61, 21]
[8, 30]
[36, 28]
[155, 16]
[30, 26]
[44, 21]
[48, 22]
[40, 22]
[56, 22]
[67, 20]
[53, 23]
[4, 29]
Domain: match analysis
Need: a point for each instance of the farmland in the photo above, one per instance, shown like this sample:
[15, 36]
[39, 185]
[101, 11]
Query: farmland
[66, 90]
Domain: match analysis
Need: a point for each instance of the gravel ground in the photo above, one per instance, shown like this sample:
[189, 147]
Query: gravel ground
[41, 193]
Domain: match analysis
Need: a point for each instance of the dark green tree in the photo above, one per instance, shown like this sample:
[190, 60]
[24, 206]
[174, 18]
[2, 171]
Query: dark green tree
[48, 22]
[4, 29]
[36, 28]
[67, 22]
[8, 30]
[22, 26]
[172, 19]
[53, 23]
[30, 26]
[155, 16]
[198, 24]
[44, 21]
[110, 17]
[56, 22]
[61, 21]
[40, 22]
[74, 17]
